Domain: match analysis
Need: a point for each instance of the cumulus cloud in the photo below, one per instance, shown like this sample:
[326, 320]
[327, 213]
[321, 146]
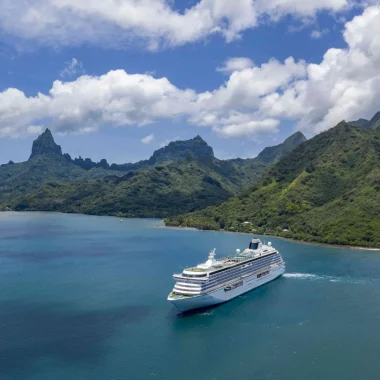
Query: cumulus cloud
[121, 99]
[245, 88]
[122, 22]
[72, 68]
[89, 103]
[345, 85]
[253, 100]
[235, 64]
[147, 139]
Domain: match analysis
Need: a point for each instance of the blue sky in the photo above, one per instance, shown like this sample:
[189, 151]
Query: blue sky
[123, 88]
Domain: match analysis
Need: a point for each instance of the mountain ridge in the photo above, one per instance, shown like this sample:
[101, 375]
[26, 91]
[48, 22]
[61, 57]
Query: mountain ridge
[175, 150]
[374, 123]
[326, 190]
[273, 153]
[181, 177]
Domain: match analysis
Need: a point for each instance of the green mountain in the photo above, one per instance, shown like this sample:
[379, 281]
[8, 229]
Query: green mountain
[176, 150]
[359, 123]
[45, 145]
[251, 169]
[157, 192]
[46, 163]
[374, 123]
[182, 177]
[273, 154]
[326, 190]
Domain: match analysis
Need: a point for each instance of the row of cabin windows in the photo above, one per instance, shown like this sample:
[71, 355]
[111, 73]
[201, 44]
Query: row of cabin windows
[205, 274]
[223, 279]
[253, 265]
[243, 271]
[229, 276]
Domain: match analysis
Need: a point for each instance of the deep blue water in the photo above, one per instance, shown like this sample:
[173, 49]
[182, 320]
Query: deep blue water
[84, 297]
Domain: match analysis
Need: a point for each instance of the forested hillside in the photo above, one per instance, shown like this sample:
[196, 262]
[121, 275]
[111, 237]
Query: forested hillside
[182, 177]
[325, 190]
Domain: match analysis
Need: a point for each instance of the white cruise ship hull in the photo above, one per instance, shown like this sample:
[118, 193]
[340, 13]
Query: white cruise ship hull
[220, 295]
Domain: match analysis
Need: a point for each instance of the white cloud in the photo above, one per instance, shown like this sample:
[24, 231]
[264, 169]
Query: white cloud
[124, 22]
[345, 85]
[317, 34]
[235, 64]
[72, 68]
[34, 129]
[121, 99]
[301, 8]
[248, 128]
[233, 109]
[89, 103]
[253, 100]
[147, 139]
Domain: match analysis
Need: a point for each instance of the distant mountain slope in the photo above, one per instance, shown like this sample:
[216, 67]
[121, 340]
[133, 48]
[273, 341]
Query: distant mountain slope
[273, 154]
[189, 178]
[46, 163]
[252, 168]
[326, 190]
[156, 192]
[374, 123]
[359, 123]
[174, 151]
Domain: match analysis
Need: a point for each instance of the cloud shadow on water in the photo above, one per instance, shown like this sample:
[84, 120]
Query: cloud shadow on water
[30, 332]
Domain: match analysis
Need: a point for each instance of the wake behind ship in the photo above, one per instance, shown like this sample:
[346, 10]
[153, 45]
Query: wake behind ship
[217, 281]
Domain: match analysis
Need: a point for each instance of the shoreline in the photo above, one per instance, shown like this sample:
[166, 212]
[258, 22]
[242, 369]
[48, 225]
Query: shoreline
[277, 237]
[161, 224]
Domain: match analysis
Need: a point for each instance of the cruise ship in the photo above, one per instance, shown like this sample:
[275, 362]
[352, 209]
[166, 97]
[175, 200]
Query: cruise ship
[218, 281]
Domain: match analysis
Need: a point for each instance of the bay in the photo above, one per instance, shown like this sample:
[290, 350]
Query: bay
[84, 297]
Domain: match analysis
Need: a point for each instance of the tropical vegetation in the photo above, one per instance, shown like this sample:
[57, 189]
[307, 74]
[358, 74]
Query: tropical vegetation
[326, 190]
[182, 177]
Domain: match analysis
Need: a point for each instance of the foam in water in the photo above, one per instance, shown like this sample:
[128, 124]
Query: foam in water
[315, 277]
[206, 312]
[301, 276]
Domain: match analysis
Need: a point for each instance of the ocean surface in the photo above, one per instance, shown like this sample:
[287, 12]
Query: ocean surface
[84, 297]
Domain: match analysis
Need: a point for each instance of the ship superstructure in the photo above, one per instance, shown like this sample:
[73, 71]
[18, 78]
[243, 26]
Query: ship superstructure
[217, 281]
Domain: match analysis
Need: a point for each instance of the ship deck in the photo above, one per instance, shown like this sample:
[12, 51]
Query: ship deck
[227, 262]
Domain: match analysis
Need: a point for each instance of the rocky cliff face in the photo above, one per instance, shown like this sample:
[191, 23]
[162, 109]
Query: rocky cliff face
[45, 145]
